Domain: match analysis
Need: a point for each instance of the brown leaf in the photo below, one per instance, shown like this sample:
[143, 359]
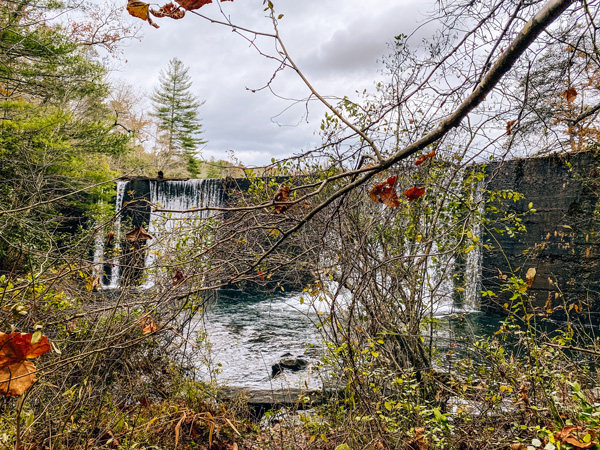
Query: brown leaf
[193, 4]
[138, 234]
[109, 238]
[177, 277]
[282, 195]
[178, 429]
[529, 276]
[570, 434]
[385, 193]
[570, 94]
[414, 193]
[169, 10]
[16, 378]
[149, 325]
[421, 159]
[509, 125]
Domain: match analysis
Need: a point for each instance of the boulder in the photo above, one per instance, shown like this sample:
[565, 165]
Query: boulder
[293, 364]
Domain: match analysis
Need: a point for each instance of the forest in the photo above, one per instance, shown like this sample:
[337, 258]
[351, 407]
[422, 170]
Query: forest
[108, 288]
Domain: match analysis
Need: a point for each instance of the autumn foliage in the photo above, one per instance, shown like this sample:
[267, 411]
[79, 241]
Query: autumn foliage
[17, 374]
[414, 193]
[282, 195]
[385, 193]
[421, 159]
[142, 10]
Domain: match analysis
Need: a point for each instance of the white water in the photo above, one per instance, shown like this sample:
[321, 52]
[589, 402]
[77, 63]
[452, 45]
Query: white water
[167, 227]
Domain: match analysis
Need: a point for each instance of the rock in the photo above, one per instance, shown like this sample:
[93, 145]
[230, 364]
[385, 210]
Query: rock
[293, 364]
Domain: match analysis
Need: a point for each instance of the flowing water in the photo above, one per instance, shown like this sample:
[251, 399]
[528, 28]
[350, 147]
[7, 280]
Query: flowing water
[249, 334]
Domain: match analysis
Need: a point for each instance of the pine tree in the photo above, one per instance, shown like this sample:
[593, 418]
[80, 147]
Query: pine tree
[176, 109]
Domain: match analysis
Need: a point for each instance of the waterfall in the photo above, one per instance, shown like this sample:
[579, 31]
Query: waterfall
[167, 227]
[131, 206]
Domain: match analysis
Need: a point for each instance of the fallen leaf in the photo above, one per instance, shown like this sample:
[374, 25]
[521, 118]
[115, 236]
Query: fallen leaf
[385, 193]
[414, 193]
[421, 159]
[571, 435]
[138, 234]
[169, 10]
[509, 125]
[178, 429]
[282, 195]
[570, 95]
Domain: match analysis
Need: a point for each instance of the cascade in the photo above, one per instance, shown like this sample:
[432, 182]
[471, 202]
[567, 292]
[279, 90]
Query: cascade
[137, 202]
[131, 206]
[167, 227]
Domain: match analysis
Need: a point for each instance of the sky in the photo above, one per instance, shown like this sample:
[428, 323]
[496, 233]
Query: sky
[336, 43]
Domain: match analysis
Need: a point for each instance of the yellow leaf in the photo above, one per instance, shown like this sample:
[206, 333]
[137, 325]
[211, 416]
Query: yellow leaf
[138, 9]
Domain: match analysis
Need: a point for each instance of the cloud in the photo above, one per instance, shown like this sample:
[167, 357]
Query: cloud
[336, 43]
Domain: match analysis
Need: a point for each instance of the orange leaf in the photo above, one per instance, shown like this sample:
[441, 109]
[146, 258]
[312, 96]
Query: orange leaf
[570, 95]
[414, 193]
[509, 125]
[421, 159]
[149, 325]
[17, 378]
[385, 193]
[569, 435]
[17, 347]
[282, 195]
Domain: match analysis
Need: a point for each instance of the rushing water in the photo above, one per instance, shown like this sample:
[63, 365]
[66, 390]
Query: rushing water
[248, 334]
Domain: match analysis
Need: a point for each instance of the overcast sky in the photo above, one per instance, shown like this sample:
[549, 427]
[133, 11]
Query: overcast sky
[336, 43]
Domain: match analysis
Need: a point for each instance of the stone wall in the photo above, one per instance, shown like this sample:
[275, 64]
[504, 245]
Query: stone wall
[562, 241]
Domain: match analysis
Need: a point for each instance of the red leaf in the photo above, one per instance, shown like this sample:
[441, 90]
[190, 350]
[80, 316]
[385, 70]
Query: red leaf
[282, 195]
[385, 193]
[424, 158]
[414, 193]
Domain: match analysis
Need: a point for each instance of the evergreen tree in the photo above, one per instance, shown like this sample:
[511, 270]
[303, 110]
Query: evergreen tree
[176, 109]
